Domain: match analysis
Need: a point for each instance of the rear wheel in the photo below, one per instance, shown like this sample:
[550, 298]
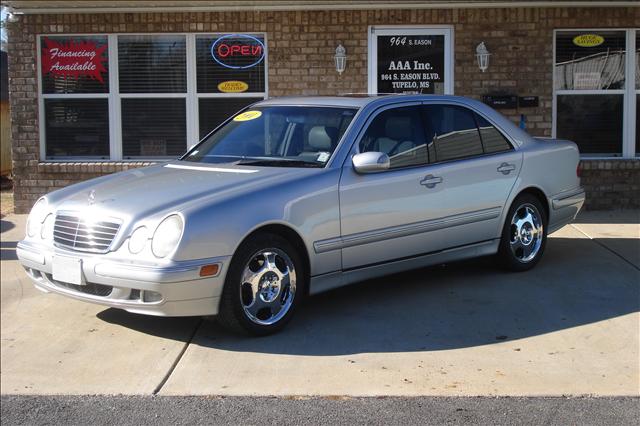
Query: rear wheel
[524, 235]
[263, 286]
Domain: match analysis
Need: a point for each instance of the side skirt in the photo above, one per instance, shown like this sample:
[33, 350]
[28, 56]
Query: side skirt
[325, 282]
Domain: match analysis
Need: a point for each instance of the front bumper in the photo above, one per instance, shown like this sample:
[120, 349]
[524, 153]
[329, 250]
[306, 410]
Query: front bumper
[171, 289]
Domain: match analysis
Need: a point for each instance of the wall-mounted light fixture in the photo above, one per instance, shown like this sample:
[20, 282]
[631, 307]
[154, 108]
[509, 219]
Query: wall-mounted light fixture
[340, 59]
[11, 15]
[482, 54]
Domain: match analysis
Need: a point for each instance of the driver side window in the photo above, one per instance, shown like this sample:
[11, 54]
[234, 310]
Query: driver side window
[398, 133]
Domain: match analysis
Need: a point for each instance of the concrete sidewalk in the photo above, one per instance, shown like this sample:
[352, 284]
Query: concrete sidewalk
[571, 326]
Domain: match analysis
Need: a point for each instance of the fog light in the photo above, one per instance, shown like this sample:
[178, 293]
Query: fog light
[209, 270]
[151, 296]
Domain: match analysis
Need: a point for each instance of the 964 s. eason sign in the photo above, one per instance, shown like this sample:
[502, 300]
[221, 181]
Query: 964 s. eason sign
[411, 64]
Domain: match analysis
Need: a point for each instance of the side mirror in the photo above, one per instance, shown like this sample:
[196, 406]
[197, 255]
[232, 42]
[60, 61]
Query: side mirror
[370, 162]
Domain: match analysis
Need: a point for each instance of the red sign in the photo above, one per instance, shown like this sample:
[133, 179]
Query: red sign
[73, 59]
[225, 50]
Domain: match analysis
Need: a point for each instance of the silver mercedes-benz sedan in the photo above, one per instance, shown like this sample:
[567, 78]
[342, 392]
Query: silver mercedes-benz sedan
[295, 196]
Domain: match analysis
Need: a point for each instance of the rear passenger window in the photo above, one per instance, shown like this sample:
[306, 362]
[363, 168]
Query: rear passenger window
[452, 133]
[492, 140]
[398, 133]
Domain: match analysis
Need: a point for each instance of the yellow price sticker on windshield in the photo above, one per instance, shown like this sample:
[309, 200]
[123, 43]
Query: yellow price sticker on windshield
[248, 115]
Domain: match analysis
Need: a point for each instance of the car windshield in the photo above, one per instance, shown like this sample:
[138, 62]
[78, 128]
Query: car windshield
[278, 136]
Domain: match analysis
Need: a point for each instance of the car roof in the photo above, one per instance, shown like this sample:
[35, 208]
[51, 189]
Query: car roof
[356, 100]
[378, 100]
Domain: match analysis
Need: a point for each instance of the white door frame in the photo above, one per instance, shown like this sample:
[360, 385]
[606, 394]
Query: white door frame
[376, 30]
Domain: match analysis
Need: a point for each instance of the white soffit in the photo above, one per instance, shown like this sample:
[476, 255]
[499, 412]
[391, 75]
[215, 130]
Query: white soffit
[85, 6]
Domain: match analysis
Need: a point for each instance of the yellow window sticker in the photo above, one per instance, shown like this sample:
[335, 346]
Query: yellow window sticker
[248, 115]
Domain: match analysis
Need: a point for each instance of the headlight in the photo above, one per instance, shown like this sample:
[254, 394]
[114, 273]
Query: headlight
[36, 217]
[46, 231]
[138, 240]
[167, 236]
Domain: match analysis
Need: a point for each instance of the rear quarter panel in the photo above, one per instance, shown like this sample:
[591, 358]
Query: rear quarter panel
[549, 165]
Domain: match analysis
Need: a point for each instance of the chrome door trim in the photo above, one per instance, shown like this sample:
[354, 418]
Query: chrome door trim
[329, 281]
[382, 234]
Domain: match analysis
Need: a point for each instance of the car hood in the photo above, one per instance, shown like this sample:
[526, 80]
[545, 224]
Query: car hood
[157, 189]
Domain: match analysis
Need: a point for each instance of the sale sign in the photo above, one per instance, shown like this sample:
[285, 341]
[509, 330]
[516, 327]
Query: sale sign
[74, 59]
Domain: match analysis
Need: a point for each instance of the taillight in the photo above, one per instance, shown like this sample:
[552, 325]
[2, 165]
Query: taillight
[578, 170]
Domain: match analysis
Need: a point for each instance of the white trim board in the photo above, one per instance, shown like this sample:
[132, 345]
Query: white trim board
[29, 7]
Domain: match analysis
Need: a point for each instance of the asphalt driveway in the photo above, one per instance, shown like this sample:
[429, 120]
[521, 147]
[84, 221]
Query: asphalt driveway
[569, 327]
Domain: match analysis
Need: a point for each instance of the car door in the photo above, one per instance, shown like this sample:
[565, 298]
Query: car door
[441, 191]
[475, 167]
[381, 213]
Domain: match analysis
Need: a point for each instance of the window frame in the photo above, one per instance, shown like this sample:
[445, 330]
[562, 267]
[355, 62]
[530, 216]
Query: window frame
[628, 93]
[374, 114]
[114, 96]
[513, 146]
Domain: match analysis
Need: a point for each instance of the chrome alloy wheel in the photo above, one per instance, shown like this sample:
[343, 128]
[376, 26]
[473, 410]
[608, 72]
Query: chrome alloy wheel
[526, 233]
[268, 286]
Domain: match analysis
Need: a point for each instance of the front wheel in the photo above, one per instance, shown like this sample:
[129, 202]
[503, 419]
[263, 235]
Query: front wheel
[524, 235]
[263, 286]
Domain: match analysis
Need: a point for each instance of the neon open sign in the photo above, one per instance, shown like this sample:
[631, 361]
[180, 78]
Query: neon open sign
[238, 51]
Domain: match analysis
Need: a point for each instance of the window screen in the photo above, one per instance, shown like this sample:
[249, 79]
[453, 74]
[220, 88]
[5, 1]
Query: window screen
[398, 133]
[153, 127]
[492, 140]
[152, 63]
[75, 64]
[213, 111]
[77, 128]
[452, 132]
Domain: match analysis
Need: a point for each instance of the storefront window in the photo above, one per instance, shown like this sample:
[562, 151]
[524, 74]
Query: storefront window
[231, 74]
[594, 121]
[590, 88]
[73, 66]
[77, 127]
[213, 111]
[156, 105]
[590, 60]
[153, 127]
[152, 64]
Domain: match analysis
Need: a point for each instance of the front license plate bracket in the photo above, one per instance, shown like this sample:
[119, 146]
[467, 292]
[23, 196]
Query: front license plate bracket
[67, 270]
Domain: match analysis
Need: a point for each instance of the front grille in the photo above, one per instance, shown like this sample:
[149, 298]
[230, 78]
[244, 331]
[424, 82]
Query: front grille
[90, 288]
[78, 234]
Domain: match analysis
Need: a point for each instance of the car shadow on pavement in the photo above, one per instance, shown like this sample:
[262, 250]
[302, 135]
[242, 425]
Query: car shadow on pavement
[459, 305]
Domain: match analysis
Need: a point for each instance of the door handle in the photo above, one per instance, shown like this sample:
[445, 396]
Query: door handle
[506, 168]
[430, 181]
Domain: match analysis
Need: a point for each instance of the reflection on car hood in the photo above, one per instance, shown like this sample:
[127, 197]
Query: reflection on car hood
[141, 192]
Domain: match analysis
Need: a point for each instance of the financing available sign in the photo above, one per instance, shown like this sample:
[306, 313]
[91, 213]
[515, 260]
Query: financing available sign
[74, 59]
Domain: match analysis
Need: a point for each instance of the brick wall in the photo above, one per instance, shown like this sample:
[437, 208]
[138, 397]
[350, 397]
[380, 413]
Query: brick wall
[301, 48]
[611, 184]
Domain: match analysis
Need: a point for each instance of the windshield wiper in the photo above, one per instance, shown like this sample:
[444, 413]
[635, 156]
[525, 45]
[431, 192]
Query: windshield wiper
[278, 162]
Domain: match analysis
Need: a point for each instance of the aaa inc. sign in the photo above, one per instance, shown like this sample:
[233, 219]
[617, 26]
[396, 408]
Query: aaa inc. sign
[411, 64]
[74, 58]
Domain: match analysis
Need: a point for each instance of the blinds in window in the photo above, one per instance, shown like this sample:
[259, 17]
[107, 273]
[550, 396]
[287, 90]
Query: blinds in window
[152, 63]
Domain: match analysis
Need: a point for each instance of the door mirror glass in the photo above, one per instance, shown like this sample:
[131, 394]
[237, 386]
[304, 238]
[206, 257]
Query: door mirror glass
[370, 162]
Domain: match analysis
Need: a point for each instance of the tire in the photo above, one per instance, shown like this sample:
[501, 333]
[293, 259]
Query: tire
[524, 235]
[264, 285]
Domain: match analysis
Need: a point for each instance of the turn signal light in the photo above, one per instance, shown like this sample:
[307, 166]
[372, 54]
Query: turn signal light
[209, 270]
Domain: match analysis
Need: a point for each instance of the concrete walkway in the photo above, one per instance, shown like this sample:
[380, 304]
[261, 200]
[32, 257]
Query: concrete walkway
[571, 326]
